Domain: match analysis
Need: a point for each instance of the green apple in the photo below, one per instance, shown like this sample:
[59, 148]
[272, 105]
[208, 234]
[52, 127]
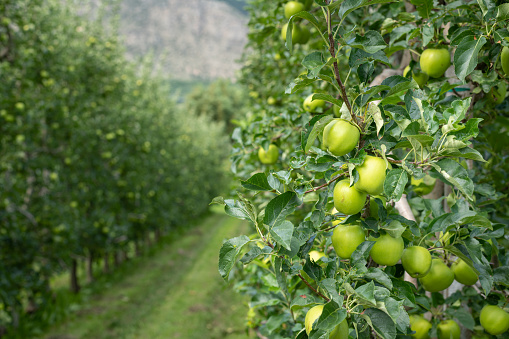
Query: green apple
[406, 70]
[340, 137]
[293, 7]
[348, 200]
[420, 78]
[494, 319]
[504, 58]
[421, 326]
[335, 110]
[434, 62]
[346, 238]
[305, 34]
[387, 250]
[315, 255]
[373, 206]
[448, 329]
[463, 273]
[339, 332]
[296, 33]
[438, 278]
[271, 101]
[270, 156]
[497, 94]
[417, 261]
[336, 221]
[311, 105]
[371, 175]
[424, 185]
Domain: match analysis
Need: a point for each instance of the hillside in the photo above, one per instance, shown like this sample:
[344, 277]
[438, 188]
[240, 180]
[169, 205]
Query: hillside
[194, 39]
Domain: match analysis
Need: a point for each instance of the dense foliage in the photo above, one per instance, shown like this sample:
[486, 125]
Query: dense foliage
[442, 139]
[94, 154]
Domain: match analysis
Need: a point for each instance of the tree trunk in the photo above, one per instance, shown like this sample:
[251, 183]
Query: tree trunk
[106, 264]
[116, 258]
[137, 249]
[157, 235]
[75, 286]
[90, 267]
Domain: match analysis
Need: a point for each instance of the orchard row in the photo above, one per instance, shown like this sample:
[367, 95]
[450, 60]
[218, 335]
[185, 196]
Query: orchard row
[94, 155]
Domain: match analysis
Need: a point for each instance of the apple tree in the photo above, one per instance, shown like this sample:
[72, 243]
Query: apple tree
[383, 212]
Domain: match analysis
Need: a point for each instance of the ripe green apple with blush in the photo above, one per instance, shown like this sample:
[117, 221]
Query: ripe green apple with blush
[339, 332]
[340, 137]
[421, 326]
[387, 250]
[438, 278]
[371, 175]
[494, 319]
[292, 8]
[348, 200]
[417, 261]
[269, 156]
[463, 273]
[346, 238]
[434, 62]
[448, 329]
[311, 105]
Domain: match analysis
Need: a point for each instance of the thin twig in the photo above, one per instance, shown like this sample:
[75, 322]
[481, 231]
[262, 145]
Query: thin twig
[314, 189]
[312, 288]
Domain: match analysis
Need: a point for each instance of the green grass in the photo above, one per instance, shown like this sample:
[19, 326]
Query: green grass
[174, 293]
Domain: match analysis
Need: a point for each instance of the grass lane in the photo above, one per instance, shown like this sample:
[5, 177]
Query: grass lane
[175, 293]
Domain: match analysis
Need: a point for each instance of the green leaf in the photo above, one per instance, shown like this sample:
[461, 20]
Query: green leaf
[456, 175]
[349, 6]
[278, 208]
[304, 300]
[463, 316]
[424, 7]
[281, 277]
[366, 292]
[501, 275]
[314, 62]
[241, 209]
[283, 233]
[379, 276]
[298, 84]
[466, 55]
[229, 254]
[328, 98]
[371, 42]
[503, 12]
[358, 57]
[257, 182]
[485, 5]
[466, 152]
[398, 84]
[317, 129]
[381, 323]
[332, 315]
[395, 228]
[428, 32]
[251, 255]
[395, 183]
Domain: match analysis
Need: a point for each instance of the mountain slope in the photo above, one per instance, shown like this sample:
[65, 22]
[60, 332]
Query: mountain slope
[193, 39]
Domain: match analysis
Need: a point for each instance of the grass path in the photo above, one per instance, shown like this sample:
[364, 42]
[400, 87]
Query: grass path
[175, 293]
